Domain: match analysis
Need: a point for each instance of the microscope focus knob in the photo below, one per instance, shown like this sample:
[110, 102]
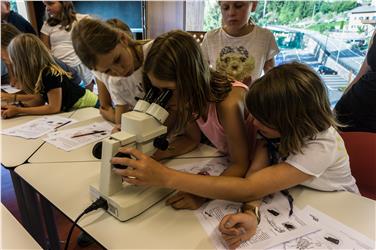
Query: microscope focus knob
[161, 143]
[121, 155]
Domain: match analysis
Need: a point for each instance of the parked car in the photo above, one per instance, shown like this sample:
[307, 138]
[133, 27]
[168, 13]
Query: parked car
[324, 70]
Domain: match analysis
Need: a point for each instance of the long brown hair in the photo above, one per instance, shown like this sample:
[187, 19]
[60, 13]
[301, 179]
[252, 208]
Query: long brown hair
[8, 32]
[92, 37]
[65, 18]
[293, 100]
[176, 56]
[30, 57]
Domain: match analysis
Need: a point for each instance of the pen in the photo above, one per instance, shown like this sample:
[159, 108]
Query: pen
[65, 123]
[91, 133]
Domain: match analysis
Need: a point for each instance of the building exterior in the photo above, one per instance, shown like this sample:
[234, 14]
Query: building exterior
[362, 18]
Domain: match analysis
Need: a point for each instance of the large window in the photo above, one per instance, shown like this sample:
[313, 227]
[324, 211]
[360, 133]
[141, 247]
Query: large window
[317, 33]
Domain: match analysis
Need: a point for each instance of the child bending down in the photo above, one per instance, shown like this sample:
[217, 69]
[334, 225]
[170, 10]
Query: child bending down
[298, 145]
[49, 88]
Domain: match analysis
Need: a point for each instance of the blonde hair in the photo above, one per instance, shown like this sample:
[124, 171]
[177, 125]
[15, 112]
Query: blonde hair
[30, 57]
[176, 56]
[91, 37]
[65, 18]
[293, 100]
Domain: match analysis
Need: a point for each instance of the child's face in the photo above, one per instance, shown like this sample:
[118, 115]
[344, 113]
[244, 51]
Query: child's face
[5, 55]
[5, 9]
[118, 62]
[161, 84]
[266, 131]
[235, 14]
[53, 7]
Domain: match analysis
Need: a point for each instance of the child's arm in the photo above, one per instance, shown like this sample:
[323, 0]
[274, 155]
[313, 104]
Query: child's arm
[119, 110]
[239, 227]
[53, 106]
[26, 99]
[46, 40]
[231, 116]
[106, 109]
[181, 144]
[263, 182]
[269, 64]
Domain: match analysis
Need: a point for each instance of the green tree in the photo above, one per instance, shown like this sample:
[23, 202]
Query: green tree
[213, 16]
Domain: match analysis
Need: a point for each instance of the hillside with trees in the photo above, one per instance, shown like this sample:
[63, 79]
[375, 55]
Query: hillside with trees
[287, 13]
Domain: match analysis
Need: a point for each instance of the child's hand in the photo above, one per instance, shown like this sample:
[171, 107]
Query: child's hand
[236, 228]
[142, 170]
[247, 81]
[9, 111]
[116, 129]
[183, 200]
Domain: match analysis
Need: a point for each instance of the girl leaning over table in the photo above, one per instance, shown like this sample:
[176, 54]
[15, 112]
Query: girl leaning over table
[48, 88]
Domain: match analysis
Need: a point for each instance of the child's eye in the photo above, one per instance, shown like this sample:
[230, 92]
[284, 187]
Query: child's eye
[239, 5]
[225, 7]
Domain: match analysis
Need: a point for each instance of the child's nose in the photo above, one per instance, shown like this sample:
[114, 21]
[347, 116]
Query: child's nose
[231, 11]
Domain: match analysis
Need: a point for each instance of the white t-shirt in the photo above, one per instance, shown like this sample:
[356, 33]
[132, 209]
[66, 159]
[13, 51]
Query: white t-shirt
[326, 159]
[61, 42]
[123, 90]
[239, 57]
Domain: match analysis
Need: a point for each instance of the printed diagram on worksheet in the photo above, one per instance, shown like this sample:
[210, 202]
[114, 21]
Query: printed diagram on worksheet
[38, 127]
[332, 235]
[213, 167]
[276, 225]
[77, 137]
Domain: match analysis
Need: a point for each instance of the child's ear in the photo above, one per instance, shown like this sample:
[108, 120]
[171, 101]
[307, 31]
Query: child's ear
[124, 39]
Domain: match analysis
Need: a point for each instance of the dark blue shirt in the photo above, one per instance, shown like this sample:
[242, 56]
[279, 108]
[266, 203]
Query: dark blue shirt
[20, 23]
[357, 108]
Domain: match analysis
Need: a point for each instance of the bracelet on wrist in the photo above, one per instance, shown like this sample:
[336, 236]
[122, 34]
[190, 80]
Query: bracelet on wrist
[247, 208]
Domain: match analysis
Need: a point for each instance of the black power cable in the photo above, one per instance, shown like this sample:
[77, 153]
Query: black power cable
[99, 203]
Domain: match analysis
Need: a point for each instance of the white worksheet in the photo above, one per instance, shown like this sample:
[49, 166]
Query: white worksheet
[214, 167]
[38, 127]
[77, 137]
[332, 235]
[276, 225]
[9, 89]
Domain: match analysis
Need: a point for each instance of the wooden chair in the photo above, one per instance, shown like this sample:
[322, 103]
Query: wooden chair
[361, 147]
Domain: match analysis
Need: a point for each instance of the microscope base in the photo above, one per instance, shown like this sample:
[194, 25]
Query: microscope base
[131, 200]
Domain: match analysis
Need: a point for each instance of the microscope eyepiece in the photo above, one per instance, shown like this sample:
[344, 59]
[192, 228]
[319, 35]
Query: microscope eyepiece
[151, 95]
[164, 97]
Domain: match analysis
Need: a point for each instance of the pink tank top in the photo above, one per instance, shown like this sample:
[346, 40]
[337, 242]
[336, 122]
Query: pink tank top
[214, 131]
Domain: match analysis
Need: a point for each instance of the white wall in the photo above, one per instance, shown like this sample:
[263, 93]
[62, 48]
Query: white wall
[163, 16]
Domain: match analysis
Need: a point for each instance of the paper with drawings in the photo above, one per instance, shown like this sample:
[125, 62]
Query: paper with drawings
[77, 137]
[333, 235]
[213, 167]
[9, 89]
[275, 227]
[38, 127]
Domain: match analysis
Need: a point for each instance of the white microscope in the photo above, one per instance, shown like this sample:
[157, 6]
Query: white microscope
[141, 128]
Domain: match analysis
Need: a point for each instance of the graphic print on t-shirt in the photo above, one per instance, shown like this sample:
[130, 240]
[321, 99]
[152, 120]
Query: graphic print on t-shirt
[235, 62]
